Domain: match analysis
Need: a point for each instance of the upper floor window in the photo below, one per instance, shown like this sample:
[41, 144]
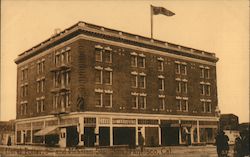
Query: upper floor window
[107, 99]
[182, 104]
[56, 98]
[63, 56]
[161, 83]
[98, 55]
[208, 89]
[40, 66]
[141, 61]
[98, 76]
[23, 108]
[133, 59]
[202, 73]
[207, 73]
[142, 81]
[142, 102]
[178, 86]
[24, 90]
[160, 65]
[134, 101]
[134, 80]
[205, 88]
[184, 88]
[24, 73]
[40, 105]
[162, 103]
[108, 56]
[108, 76]
[180, 68]
[184, 69]
[206, 106]
[98, 99]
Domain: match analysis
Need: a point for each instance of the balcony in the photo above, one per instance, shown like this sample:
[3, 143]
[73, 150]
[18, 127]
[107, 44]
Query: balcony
[61, 88]
[60, 67]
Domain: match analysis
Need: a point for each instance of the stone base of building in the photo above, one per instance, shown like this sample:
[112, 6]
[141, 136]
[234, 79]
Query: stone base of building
[92, 129]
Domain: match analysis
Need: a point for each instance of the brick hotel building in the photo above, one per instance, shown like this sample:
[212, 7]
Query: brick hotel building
[93, 86]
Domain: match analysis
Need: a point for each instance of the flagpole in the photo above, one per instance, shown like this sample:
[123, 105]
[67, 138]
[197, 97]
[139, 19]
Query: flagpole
[151, 19]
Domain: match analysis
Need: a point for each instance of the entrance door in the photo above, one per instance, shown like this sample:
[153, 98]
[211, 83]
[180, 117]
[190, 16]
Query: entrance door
[72, 137]
[169, 136]
[104, 136]
[89, 136]
[124, 136]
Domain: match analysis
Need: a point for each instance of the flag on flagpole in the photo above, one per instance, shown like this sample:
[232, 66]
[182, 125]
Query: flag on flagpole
[161, 10]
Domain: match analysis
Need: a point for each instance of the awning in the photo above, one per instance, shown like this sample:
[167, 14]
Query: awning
[48, 131]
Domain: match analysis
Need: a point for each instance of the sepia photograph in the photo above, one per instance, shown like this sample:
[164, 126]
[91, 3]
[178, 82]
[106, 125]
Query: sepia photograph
[128, 78]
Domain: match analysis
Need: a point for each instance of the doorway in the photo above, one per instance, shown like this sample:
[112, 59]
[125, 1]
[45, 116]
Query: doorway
[89, 136]
[169, 136]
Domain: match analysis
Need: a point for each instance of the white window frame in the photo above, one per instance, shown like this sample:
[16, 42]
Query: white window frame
[144, 100]
[101, 76]
[136, 61]
[162, 101]
[101, 53]
[185, 102]
[143, 62]
[162, 84]
[101, 99]
[136, 100]
[110, 98]
[144, 81]
[134, 76]
[177, 68]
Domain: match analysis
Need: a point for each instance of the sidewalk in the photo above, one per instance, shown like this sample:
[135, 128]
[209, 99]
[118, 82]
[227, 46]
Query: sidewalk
[173, 151]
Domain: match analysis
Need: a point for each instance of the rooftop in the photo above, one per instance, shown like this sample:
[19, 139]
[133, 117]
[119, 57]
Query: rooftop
[81, 27]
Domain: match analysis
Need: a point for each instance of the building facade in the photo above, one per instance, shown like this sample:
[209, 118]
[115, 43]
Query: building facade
[93, 86]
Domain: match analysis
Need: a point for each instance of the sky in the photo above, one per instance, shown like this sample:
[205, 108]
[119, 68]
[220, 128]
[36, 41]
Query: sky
[219, 26]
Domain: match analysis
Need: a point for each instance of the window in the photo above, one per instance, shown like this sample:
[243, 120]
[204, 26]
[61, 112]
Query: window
[40, 66]
[108, 100]
[98, 99]
[133, 61]
[160, 65]
[142, 102]
[207, 73]
[108, 77]
[56, 101]
[184, 87]
[141, 62]
[177, 68]
[208, 89]
[23, 108]
[68, 99]
[185, 105]
[142, 81]
[25, 89]
[202, 89]
[178, 86]
[178, 104]
[42, 85]
[98, 55]
[134, 101]
[208, 107]
[162, 103]
[184, 69]
[98, 76]
[161, 83]
[68, 56]
[57, 59]
[134, 81]
[22, 74]
[108, 56]
[182, 104]
[37, 86]
[202, 72]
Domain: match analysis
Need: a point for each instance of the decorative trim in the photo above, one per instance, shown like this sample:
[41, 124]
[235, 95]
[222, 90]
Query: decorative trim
[161, 76]
[133, 53]
[108, 91]
[143, 94]
[185, 98]
[99, 67]
[98, 47]
[134, 93]
[160, 59]
[108, 69]
[108, 49]
[178, 97]
[134, 73]
[142, 74]
[142, 55]
[161, 96]
[98, 90]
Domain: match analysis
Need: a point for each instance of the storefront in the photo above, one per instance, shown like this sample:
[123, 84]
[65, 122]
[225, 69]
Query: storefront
[109, 129]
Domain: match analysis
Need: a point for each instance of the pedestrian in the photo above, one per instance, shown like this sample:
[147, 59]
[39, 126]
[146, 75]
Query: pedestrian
[222, 146]
[141, 141]
[238, 151]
